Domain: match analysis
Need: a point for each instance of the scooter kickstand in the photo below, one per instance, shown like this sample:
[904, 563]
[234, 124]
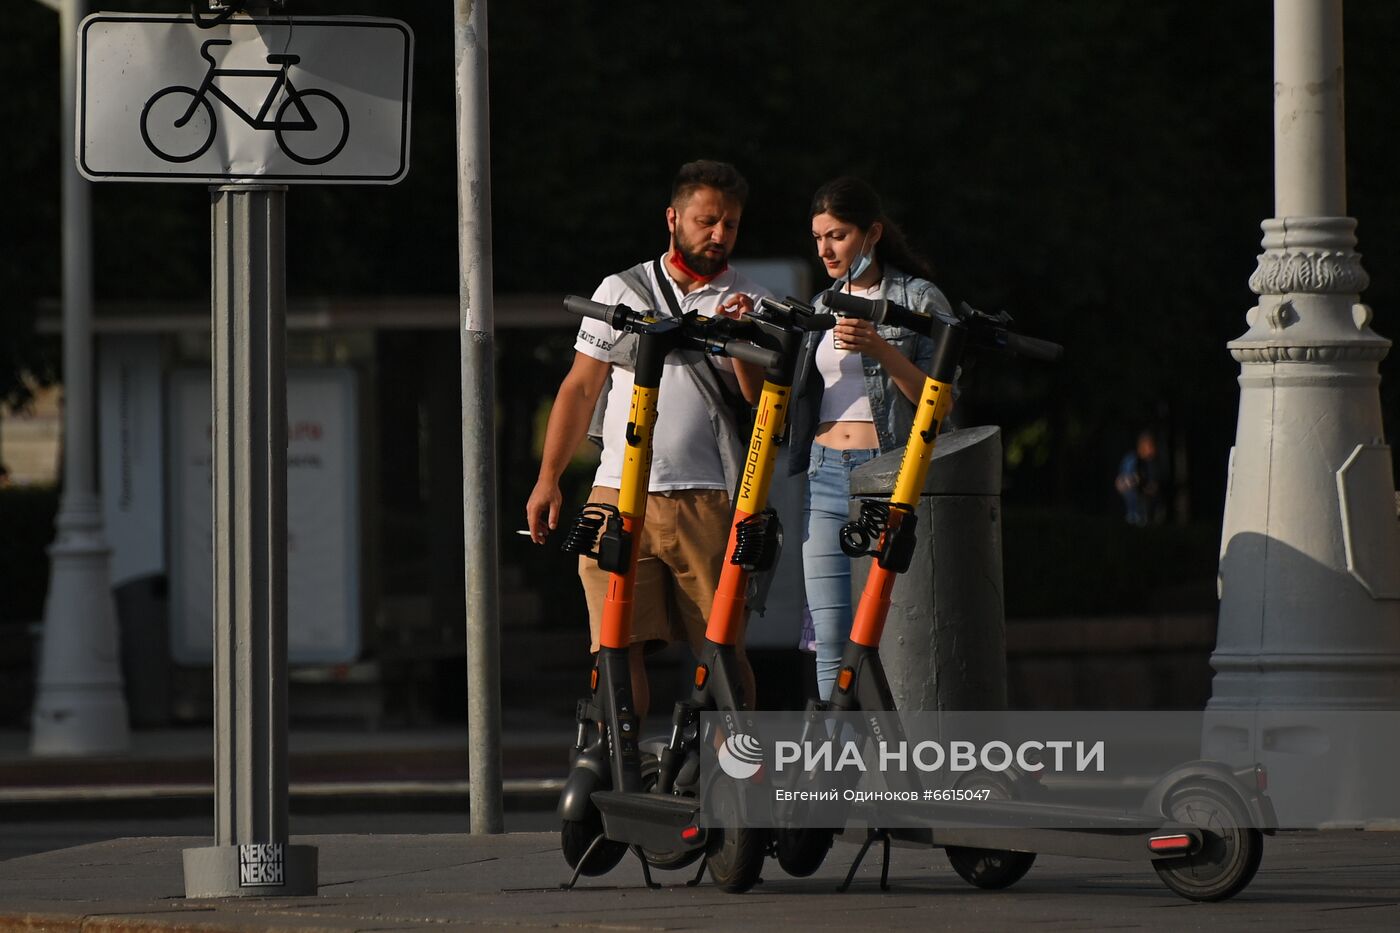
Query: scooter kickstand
[704, 862]
[646, 869]
[597, 841]
[885, 865]
[870, 837]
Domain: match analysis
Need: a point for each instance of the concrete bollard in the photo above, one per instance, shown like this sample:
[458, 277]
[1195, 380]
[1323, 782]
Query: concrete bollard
[944, 646]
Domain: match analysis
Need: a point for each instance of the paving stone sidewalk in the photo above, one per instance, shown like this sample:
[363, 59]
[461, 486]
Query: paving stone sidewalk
[1341, 880]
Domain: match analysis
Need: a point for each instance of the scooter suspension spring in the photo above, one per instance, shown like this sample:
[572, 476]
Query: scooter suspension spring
[753, 541]
[858, 538]
[583, 536]
[612, 549]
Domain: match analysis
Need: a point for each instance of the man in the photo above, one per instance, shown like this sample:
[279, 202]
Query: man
[695, 451]
[1139, 481]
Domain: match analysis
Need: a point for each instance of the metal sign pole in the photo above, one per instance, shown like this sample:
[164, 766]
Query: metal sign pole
[250, 856]
[343, 117]
[478, 415]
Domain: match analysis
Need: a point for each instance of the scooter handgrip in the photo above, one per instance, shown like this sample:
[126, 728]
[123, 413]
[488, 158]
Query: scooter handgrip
[849, 305]
[882, 311]
[583, 307]
[751, 353]
[1034, 348]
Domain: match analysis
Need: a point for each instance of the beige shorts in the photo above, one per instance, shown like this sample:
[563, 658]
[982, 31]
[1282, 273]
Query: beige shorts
[682, 550]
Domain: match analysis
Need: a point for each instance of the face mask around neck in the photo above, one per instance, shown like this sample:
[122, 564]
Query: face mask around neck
[678, 261]
[859, 267]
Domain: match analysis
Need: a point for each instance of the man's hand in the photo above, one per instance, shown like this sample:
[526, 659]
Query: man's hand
[735, 306]
[542, 511]
[568, 423]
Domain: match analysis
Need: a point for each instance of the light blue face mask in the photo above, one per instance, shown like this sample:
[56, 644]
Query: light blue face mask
[861, 264]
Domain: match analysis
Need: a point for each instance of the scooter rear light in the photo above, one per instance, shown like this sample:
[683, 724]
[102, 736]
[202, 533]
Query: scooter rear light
[702, 674]
[691, 833]
[843, 679]
[1173, 843]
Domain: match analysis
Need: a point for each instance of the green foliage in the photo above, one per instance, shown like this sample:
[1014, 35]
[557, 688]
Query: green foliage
[27, 516]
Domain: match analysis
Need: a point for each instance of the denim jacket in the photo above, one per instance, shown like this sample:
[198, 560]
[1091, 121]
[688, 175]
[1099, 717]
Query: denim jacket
[893, 413]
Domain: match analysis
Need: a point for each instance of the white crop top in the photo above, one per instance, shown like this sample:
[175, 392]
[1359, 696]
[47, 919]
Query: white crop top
[843, 375]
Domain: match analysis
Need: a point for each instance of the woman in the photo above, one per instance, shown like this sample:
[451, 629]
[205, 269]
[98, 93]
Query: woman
[856, 390]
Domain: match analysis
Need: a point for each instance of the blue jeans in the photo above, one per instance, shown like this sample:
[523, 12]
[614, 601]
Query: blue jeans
[826, 569]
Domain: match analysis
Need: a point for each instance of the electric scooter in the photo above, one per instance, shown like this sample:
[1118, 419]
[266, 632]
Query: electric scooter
[607, 749]
[663, 822]
[1200, 824]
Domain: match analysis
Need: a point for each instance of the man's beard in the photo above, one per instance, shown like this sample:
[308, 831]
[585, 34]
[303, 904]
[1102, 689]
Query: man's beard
[701, 263]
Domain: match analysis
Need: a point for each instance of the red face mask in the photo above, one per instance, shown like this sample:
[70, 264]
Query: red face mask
[677, 260]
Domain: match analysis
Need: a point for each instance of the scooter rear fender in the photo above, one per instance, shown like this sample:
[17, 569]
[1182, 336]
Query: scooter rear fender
[1241, 782]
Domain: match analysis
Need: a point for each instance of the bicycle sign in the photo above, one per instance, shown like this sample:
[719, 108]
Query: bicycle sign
[257, 99]
[190, 134]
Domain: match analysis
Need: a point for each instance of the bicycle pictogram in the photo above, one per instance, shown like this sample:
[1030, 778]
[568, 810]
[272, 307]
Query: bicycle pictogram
[311, 126]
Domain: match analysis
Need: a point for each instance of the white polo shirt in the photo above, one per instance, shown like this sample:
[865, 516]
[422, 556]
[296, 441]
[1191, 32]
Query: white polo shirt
[684, 455]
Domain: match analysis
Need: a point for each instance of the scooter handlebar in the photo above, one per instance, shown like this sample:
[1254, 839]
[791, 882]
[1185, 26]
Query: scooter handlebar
[620, 316]
[986, 329]
[752, 353]
[791, 313]
[853, 306]
[583, 307]
[1034, 348]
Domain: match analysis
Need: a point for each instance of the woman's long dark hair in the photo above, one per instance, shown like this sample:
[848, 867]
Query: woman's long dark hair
[852, 201]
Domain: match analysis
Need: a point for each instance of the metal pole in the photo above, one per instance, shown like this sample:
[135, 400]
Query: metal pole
[478, 415]
[1309, 129]
[250, 856]
[79, 708]
[1310, 563]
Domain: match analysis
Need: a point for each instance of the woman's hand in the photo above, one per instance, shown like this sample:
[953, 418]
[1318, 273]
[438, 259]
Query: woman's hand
[860, 336]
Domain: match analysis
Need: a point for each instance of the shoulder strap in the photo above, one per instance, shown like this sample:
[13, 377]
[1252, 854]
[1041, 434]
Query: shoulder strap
[668, 294]
[636, 281]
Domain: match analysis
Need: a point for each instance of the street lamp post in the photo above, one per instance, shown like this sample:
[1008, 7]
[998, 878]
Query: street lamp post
[1310, 558]
[79, 707]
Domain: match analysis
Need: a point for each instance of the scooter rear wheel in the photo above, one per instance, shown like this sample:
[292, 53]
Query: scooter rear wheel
[736, 853]
[989, 869]
[575, 836]
[1230, 850]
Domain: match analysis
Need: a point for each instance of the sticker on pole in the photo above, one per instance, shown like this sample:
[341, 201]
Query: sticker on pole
[262, 865]
[257, 99]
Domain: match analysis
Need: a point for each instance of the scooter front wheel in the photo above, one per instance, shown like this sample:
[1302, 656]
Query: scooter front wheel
[736, 852]
[802, 850]
[575, 836]
[1230, 849]
[990, 869]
